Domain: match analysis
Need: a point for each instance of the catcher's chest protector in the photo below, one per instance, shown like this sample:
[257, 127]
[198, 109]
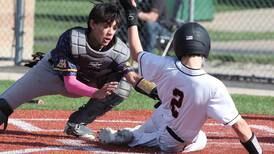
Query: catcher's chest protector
[92, 64]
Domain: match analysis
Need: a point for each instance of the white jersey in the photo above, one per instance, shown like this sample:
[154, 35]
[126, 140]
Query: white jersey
[189, 95]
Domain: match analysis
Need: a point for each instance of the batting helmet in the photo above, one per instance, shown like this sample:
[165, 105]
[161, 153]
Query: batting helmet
[191, 39]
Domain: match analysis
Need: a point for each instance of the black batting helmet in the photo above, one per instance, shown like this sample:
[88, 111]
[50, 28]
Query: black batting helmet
[191, 39]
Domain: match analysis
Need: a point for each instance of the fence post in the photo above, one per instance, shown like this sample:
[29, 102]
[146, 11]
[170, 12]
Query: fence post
[191, 10]
[19, 26]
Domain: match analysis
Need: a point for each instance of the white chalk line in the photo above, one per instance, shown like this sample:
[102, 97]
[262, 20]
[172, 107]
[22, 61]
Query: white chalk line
[63, 148]
[263, 128]
[24, 125]
[69, 144]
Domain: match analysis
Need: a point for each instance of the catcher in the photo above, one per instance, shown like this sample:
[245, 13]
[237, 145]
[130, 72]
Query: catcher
[90, 62]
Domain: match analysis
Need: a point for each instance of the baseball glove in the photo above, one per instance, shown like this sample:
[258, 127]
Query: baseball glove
[35, 59]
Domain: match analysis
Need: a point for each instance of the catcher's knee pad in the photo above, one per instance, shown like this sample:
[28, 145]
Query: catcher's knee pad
[94, 108]
[123, 89]
[5, 112]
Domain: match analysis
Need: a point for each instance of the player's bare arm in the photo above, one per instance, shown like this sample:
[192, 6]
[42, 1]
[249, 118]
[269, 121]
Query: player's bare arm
[242, 130]
[247, 137]
[134, 42]
[132, 77]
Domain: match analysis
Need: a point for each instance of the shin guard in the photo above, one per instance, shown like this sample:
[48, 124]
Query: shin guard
[5, 112]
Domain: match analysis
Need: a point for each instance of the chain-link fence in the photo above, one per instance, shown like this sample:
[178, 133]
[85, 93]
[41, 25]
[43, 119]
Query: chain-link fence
[6, 31]
[242, 31]
[16, 29]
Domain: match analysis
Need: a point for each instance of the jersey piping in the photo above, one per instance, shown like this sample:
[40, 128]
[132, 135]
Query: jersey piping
[189, 71]
[140, 63]
[232, 119]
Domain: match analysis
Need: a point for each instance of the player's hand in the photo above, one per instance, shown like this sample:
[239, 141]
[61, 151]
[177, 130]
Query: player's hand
[106, 90]
[128, 4]
[133, 3]
[131, 12]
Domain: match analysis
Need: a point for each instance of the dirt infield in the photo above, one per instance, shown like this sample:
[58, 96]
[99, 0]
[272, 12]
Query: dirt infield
[32, 131]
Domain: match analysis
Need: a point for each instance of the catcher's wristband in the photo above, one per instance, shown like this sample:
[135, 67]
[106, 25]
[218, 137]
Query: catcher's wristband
[147, 88]
[252, 145]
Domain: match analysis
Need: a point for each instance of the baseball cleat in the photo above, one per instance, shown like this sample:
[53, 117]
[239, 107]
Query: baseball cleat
[3, 120]
[106, 135]
[110, 136]
[79, 130]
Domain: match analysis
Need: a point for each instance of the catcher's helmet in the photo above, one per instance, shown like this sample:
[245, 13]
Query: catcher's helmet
[191, 39]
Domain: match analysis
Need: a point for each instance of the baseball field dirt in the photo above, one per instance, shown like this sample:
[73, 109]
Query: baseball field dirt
[41, 131]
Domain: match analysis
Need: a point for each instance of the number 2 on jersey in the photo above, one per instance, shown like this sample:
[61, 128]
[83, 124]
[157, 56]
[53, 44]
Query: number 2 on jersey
[176, 102]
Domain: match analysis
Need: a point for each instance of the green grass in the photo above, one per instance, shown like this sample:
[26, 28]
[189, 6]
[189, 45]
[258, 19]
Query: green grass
[242, 58]
[56, 28]
[48, 29]
[136, 101]
[254, 104]
[79, 7]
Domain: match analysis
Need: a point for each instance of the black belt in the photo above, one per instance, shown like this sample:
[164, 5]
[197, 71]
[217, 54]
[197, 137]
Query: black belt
[174, 135]
[157, 104]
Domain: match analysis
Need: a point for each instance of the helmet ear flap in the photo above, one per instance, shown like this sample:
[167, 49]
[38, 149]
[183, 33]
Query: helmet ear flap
[191, 39]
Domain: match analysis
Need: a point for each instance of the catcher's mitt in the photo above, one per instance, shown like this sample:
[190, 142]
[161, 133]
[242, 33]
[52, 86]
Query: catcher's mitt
[36, 57]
